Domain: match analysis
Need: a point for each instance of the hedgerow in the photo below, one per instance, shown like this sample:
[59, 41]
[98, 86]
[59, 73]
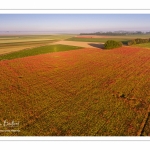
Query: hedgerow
[138, 41]
[110, 44]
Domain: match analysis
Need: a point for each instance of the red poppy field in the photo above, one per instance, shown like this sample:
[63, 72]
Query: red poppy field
[86, 92]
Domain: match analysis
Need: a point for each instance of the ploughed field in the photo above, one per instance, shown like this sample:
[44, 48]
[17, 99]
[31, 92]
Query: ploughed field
[90, 92]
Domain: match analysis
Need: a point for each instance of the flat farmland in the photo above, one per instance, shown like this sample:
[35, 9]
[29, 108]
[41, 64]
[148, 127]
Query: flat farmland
[16, 43]
[37, 51]
[103, 38]
[83, 39]
[85, 92]
[17, 46]
[114, 36]
[31, 38]
[81, 44]
[144, 45]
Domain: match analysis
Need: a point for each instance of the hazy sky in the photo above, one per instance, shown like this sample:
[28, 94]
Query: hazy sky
[74, 23]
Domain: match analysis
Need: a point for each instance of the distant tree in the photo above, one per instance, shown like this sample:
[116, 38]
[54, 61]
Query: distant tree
[110, 44]
[131, 42]
[138, 41]
[146, 40]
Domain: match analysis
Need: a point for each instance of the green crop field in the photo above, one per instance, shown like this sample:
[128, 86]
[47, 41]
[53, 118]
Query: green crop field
[37, 51]
[145, 45]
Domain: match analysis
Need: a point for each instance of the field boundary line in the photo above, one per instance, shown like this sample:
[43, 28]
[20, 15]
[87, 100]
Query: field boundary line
[144, 122]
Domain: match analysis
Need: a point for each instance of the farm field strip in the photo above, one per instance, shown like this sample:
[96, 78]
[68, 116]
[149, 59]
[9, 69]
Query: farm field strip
[97, 92]
[17, 42]
[31, 38]
[37, 51]
[114, 36]
[4, 45]
[76, 43]
[145, 45]
[101, 40]
[12, 47]
[22, 41]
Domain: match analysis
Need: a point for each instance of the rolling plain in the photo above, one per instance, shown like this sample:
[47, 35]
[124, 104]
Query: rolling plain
[55, 89]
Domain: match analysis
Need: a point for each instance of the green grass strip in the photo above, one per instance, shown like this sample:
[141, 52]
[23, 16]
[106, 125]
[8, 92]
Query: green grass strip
[144, 45]
[37, 51]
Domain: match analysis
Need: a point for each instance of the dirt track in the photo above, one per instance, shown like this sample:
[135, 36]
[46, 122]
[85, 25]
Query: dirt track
[80, 44]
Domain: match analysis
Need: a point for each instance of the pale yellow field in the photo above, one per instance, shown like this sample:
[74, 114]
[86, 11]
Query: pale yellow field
[15, 43]
[11, 47]
[21, 40]
[81, 44]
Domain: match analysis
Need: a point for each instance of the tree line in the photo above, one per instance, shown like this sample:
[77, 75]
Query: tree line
[138, 41]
